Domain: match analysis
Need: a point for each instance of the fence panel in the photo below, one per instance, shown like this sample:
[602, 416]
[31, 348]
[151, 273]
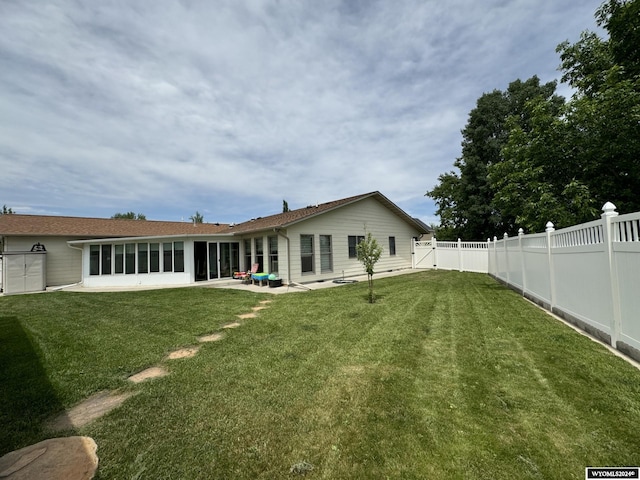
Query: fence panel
[535, 261]
[626, 263]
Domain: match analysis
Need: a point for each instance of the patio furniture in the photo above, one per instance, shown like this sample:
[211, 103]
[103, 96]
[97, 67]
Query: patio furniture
[260, 277]
[246, 276]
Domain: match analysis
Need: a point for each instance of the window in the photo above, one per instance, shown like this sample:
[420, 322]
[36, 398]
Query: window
[354, 240]
[273, 254]
[94, 260]
[154, 257]
[119, 255]
[259, 253]
[106, 259]
[306, 253]
[392, 246]
[167, 257]
[326, 257]
[247, 254]
[178, 256]
[143, 258]
[130, 258]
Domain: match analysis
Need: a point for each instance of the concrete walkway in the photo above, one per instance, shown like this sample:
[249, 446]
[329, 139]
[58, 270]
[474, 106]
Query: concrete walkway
[238, 285]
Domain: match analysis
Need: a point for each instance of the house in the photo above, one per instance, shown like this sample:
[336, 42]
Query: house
[309, 244]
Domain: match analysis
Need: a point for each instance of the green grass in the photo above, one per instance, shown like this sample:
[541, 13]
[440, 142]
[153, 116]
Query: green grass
[448, 375]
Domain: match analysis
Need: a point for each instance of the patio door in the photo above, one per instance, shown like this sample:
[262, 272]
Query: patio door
[200, 260]
[229, 258]
[213, 261]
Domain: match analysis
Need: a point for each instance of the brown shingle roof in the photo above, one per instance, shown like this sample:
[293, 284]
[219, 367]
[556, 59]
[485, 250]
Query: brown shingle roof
[15, 224]
[282, 220]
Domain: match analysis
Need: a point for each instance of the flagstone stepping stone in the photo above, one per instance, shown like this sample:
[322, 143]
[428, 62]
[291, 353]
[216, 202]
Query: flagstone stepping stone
[214, 337]
[257, 309]
[264, 302]
[247, 315]
[183, 353]
[90, 409]
[53, 459]
[153, 372]
[231, 325]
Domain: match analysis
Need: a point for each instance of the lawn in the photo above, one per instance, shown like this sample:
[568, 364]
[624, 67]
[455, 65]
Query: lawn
[448, 375]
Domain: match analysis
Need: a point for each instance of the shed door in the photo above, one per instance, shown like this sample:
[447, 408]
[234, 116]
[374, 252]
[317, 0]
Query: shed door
[33, 273]
[24, 272]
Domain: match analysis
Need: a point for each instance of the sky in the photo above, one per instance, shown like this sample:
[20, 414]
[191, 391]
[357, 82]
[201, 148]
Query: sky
[228, 108]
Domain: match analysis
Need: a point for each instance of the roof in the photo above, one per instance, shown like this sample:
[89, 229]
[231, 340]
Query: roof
[283, 220]
[43, 225]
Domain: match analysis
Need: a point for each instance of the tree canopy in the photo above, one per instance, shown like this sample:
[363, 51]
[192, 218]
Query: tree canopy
[197, 217]
[129, 216]
[5, 210]
[529, 156]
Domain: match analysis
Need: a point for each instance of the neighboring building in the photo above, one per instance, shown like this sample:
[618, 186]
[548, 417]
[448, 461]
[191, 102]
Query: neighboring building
[303, 245]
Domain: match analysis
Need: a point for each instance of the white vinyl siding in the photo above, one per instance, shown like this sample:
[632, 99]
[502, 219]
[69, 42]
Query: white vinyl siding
[63, 264]
[351, 220]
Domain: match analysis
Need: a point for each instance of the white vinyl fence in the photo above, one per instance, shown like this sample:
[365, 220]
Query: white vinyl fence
[461, 256]
[588, 274]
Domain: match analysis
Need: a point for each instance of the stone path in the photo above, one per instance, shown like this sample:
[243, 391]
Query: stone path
[71, 458]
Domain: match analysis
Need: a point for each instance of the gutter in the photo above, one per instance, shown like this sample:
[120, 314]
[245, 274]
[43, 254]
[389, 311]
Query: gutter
[81, 265]
[279, 232]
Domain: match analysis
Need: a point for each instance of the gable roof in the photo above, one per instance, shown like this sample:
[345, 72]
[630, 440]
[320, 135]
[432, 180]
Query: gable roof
[43, 225]
[87, 228]
[283, 220]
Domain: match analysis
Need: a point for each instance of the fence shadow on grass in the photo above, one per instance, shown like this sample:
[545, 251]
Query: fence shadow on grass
[27, 397]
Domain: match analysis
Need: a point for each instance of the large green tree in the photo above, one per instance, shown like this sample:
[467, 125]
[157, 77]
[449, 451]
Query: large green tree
[573, 160]
[465, 198]
[528, 157]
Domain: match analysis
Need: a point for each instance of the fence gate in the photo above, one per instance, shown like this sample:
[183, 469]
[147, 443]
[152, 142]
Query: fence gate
[423, 254]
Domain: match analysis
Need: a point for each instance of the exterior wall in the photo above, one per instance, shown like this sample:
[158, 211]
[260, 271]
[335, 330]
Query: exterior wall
[145, 279]
[64, 264]
[340, 224]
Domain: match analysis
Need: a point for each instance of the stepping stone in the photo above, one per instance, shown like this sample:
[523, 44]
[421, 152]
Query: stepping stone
[231, 325]
[153, 372]
[264, 302]
[257, 309]
[183, 353]
[92, 408]
[246, 315]
[52, 459]
[214, 337]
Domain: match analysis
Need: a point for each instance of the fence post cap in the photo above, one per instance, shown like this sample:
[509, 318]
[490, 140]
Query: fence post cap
[520, 231]
[549, 227]
[495, 239]
[506, 235]
[609, 209]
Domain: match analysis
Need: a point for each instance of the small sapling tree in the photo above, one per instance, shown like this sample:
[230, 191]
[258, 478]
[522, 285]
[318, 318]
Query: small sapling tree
[369, 252]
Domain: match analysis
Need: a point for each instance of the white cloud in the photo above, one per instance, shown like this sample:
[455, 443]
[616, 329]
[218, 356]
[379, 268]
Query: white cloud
[229, 107]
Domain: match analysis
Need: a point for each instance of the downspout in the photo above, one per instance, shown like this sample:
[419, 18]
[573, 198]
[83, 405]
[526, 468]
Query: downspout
[289, 282]
[279, 232]
[81, 266]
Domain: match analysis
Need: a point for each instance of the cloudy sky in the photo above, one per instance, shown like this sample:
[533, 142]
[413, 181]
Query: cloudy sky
[229, 107]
